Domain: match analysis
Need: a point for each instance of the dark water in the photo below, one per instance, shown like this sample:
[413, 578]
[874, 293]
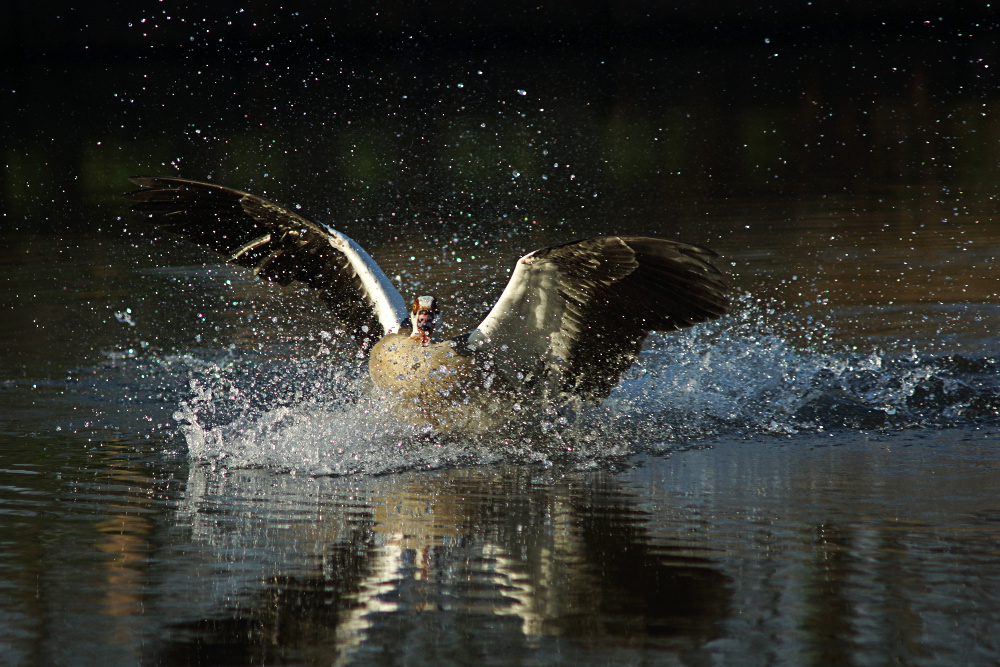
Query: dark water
[192, 470]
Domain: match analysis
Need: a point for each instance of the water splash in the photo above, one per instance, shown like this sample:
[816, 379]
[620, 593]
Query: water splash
[741, 374]
[744, 373]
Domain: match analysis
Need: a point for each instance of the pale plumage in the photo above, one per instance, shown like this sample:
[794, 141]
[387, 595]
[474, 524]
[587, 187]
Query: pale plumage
[570, 322]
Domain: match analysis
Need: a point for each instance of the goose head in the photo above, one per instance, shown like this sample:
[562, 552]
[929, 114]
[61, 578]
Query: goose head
[424, 319]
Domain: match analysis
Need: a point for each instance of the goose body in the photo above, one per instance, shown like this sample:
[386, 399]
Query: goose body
[441, 384]
[570, 322]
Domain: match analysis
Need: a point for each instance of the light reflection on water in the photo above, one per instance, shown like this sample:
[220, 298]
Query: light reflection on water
[528, 554]
[826, 548]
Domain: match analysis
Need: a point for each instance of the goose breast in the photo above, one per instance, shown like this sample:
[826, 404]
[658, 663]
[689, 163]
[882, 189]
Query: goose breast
[442, 384]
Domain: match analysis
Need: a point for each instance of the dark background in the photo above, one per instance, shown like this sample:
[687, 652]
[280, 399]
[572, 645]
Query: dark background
[360, 109]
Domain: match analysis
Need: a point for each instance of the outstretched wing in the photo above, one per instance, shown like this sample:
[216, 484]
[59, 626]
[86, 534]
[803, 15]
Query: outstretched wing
[574, 316]
[279, 245]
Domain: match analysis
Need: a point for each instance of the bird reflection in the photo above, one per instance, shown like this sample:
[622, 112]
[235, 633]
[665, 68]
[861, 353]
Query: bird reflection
[470, 559]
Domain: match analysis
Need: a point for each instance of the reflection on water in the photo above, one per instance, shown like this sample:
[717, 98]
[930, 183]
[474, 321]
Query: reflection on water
[821, 549]
[124, 537]
[337, 569]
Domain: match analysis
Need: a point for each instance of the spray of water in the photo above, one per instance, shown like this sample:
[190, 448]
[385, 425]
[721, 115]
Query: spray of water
[740, 374]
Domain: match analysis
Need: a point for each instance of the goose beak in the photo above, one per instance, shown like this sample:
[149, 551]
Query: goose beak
[425, 320]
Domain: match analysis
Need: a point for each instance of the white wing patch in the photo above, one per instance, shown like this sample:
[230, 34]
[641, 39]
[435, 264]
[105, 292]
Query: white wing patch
[279, 245]
[525, 322]
[390, 308]
[573, 316]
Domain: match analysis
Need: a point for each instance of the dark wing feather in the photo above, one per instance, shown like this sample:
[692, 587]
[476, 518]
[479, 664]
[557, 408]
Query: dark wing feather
[574, 316]
[280, 245]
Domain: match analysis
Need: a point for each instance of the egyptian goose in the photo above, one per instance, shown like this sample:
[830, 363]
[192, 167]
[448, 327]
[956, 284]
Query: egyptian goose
[570, 322]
